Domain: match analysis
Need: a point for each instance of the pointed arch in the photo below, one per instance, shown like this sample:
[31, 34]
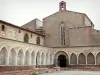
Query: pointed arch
[20, 57]
[12, 57]
[98, 59]
[27, 58]
[42, 58]
[73, 59]
[3, 56]
[90, 59]
[32, 57]
[81, 59]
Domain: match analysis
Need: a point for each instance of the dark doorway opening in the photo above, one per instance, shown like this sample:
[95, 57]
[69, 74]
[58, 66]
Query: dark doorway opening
[62, 61]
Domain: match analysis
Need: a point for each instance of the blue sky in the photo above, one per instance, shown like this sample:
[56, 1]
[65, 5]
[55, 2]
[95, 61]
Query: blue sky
[19, 12]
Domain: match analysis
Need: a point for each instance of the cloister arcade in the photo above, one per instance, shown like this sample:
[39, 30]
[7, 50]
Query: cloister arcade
[29, 58]
[78, 59]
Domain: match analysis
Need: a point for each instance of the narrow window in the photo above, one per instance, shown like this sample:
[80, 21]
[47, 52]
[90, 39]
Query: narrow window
[3, 28]
[38, 40]
[62, 32]
[26, 38]
[19, 31]
[31, 35]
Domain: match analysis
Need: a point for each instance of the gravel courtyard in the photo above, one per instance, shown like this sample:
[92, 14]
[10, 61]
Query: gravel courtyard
[74, 73]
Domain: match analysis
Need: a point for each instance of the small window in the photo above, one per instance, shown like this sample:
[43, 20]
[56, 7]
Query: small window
[38, 40]
[3, 28]
[31, 35]
[26, 38]
[19, 31]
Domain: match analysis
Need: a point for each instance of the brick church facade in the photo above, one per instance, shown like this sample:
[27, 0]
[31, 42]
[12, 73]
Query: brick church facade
[66, 38]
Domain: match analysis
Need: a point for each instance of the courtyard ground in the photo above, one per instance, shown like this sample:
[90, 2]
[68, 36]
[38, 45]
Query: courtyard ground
[73, 73]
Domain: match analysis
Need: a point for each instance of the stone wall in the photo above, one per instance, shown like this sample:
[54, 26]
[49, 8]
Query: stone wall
[96, 38]
[52, 23]
[18, 34]
[80, 36]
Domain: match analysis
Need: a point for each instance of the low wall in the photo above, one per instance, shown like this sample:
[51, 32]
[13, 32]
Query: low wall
[83, 67]
[14, 68]
[28, 70]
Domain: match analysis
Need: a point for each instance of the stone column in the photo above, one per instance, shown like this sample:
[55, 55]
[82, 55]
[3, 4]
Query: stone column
[40, 60]
[7, 59]
[49, 59]
[56, 62]
[29, 59]
[77, 60]
[95, 60]
[69, 59]
[52, 60]
[15, 60]
[44, 61]
[34, 63]
[23, 59]
[86, 61]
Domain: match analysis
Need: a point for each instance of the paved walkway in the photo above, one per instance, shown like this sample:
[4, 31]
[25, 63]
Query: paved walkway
[74, 73]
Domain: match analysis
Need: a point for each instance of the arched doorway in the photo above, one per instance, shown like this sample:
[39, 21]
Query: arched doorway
[62, 60]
